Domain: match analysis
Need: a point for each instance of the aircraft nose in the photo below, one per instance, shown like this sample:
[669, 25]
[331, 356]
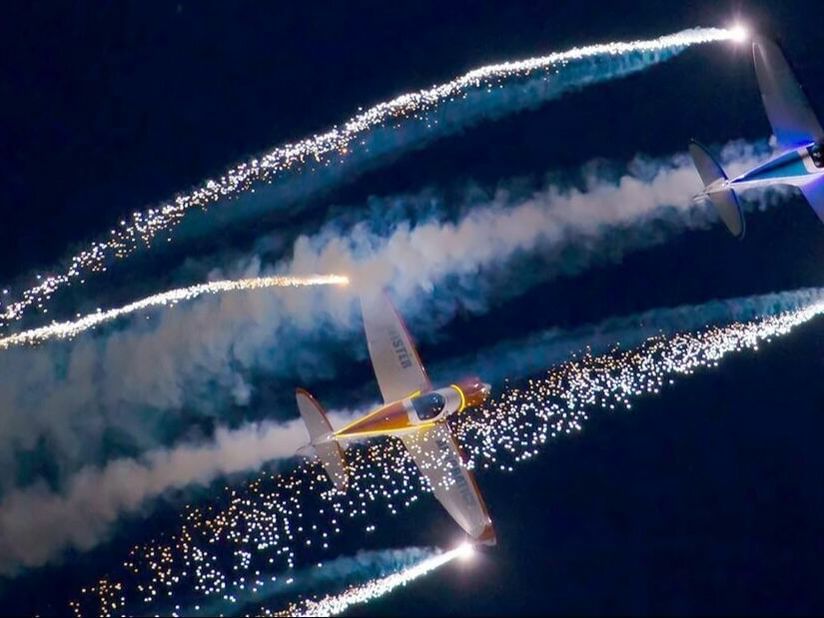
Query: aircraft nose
[475, 392]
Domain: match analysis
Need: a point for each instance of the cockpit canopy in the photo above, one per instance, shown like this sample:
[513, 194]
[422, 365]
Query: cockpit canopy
[817, 154]
[428, 406]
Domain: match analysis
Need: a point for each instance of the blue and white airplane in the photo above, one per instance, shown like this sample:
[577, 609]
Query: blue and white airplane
[797, 132]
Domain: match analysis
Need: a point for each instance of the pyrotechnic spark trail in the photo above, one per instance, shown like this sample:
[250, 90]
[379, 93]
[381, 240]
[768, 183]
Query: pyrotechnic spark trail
[517, 424]
[334, 146]
[279, 521]
[335, 604]
[64, 330]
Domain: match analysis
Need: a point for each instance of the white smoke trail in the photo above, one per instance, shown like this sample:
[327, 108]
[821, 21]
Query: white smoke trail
[36, 525]
[414, 259]
[64, 330]
[198, 358]
[34, 522]
[335, 604]
[349, 140]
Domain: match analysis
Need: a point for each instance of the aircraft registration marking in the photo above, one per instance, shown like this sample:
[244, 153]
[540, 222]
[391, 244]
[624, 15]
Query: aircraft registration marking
[404, 358]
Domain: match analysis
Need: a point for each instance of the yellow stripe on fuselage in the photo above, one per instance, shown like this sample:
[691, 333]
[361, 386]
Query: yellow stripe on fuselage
[357, 421]
[363, 419]
[382, 432]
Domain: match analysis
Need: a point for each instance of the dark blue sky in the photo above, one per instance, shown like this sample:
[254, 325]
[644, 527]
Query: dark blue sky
[707, 499]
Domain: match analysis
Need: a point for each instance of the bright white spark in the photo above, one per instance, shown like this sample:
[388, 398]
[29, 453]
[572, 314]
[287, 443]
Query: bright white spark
[335, 604]
[466, 551]
[64, 330]
[142, 228]
[739, 33]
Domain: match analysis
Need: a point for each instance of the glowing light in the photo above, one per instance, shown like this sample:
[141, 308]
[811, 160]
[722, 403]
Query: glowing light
[739, 33]
[64, 330]
[466, 551]
[142, 229]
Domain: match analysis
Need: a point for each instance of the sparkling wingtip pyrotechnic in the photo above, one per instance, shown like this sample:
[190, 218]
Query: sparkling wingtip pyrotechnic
[334, 604]
[67, 330]
[466, 551]
[739, 33]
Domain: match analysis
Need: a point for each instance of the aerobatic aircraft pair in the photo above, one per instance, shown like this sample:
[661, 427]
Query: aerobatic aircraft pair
[417, 414]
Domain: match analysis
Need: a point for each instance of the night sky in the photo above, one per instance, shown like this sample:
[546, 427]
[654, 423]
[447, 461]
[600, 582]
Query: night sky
[706, 498]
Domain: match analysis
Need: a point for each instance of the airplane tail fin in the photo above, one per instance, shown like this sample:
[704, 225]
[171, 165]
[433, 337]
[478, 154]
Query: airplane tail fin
[322, 442]
[722, 197]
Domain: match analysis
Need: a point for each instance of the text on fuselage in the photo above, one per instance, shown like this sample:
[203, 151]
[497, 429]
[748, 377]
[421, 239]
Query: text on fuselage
[399, 346]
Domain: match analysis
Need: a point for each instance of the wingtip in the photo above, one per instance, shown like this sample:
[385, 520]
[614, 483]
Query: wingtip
[303, 392]
[488, 536]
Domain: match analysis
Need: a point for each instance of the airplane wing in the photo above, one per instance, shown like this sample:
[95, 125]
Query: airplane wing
[814, 192]
[395, 360]
[438, 457]
[793, 120]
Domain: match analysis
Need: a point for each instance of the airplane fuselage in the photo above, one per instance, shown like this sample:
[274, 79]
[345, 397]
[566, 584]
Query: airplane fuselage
[415, 412]
[793, 167]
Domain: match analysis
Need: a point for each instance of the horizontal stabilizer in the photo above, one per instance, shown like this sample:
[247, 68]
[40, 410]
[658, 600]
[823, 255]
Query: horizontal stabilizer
[793, 120]
[331, 456]
[729, 209]
[325, 448]
[708, 168]
[814, 193]
[713, 177]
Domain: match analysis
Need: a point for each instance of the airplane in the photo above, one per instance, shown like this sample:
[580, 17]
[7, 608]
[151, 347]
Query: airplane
[412, 411]
[797, 132]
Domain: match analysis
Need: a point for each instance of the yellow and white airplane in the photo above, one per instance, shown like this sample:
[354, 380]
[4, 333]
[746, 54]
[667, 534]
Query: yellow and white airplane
[414, 412]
